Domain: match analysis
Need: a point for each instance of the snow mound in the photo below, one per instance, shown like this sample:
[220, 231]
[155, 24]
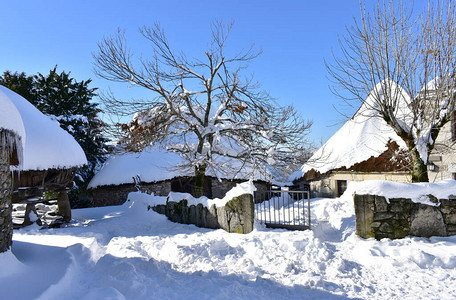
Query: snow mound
[45, 144]
[361, 137]
[417, 192]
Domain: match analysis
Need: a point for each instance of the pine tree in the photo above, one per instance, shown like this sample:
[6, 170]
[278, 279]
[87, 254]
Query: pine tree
[68, 102]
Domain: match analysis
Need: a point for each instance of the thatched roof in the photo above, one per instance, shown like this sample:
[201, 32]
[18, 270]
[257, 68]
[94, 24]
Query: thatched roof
[45, 145]
[159, 165]
[363, 138]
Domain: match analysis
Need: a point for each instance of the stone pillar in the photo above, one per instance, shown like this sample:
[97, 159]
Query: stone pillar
[237, 215]
[64, 206]
[6, 221]
[364, 213]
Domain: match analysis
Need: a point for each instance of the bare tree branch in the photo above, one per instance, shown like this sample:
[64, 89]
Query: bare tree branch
[203, 108]
[406, 61]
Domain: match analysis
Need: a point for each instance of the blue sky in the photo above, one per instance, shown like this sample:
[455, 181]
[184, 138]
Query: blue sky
[295, 36]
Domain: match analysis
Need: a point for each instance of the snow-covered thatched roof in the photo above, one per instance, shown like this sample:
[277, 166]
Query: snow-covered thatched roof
[45, 145]
[365, 135]
[159, 165]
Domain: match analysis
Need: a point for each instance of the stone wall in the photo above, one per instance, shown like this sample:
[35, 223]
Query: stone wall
[236, 216]
[117, 194]
[401, 217]
[6, 223]
[221, 187]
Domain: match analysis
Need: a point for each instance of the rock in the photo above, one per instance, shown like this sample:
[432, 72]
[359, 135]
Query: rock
[161, 209]
[380, 204]
[385, 228]
[448, 202]
[237, 215]
[396, 207]
[364, 215]
[376, 224]
[382, 216]
[450, 219]
[174, 211]
[427, 221]
[200, 215]
[433, 199]
[192, 214]
[212, 218]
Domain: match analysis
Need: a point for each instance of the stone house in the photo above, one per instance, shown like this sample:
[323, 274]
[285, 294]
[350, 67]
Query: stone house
[366, 148]
[157, 172]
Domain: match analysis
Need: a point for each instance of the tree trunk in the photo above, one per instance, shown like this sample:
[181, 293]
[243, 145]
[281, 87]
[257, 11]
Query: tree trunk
[419, 171]
[198, 188]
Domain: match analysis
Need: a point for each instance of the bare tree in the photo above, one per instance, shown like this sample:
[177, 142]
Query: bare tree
[203, 108]
[408, 58]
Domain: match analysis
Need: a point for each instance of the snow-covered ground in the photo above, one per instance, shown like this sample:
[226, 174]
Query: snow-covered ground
[129, 252]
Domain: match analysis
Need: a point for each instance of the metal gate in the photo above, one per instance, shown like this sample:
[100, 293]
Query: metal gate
[283, 209]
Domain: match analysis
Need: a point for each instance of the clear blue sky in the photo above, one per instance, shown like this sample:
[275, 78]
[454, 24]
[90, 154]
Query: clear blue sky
[295, 36]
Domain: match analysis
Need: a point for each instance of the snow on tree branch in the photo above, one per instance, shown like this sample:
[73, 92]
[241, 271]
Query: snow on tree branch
[205, 108]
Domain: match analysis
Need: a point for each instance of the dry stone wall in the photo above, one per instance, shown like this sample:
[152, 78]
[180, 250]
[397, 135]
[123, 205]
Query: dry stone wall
[117, 194]
[377, 218]
[236, 216]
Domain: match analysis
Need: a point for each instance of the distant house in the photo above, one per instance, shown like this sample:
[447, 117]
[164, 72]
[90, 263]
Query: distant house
[366, 148]
[159, 173]
[50, 155]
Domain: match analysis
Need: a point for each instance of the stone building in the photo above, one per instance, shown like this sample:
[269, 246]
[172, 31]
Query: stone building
[366, 148]
[157, 172]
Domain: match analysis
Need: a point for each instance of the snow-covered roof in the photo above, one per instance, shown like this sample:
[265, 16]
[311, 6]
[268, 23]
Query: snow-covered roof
[363, 136]
[158, 165]
[45, 145]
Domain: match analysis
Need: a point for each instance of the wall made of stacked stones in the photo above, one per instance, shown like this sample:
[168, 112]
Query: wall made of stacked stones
[237, 215]
[117, 194]
[397, 218]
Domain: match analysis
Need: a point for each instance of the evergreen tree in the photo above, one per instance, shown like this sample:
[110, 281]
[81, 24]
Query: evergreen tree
[69, 102]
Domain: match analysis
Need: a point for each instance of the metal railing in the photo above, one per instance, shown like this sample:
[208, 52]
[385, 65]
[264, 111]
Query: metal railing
[283, 209]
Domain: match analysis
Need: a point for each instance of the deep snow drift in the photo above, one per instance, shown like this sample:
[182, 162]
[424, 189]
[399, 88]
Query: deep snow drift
[130, 252]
